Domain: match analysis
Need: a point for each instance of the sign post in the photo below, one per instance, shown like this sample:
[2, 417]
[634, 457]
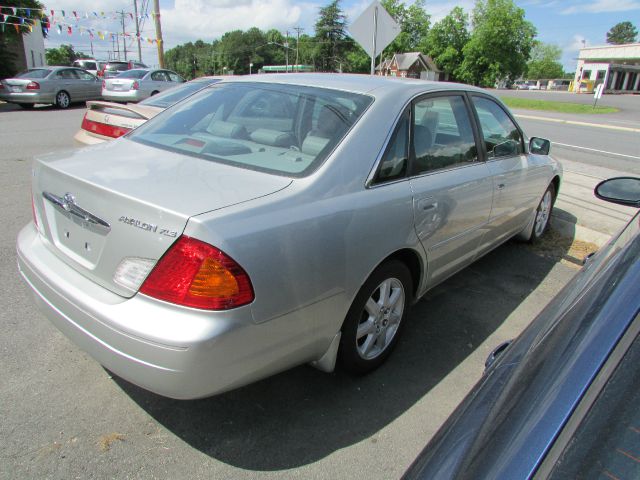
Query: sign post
[597, 95]
[374, 29]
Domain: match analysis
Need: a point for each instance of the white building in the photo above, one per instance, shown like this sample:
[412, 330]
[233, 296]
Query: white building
[617, 66]
[29, 49]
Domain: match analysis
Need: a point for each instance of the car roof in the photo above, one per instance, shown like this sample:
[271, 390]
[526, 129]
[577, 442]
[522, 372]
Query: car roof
[356, 83]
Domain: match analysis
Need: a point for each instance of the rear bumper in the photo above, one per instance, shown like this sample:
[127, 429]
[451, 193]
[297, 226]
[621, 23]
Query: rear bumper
[126, 96]
[174, 351]
[27, 97]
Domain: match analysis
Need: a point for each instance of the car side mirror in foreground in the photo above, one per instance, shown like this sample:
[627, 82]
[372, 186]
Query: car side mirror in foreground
[539, 146]
[621, 190]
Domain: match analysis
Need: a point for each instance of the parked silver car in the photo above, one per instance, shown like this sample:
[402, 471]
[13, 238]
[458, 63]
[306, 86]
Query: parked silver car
[60, 86]
[137, 84]
[270, 221]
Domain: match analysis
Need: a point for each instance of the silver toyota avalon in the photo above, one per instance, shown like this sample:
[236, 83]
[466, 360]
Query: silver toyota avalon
[275, 220]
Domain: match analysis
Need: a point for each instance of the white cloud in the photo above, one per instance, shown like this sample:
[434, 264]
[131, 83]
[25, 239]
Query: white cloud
[189, 20]
[600, 6]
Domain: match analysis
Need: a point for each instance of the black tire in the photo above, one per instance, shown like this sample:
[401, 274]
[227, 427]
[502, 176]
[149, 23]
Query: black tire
[364, 353]
[155, 92]
[63, 99]
[27, 106]
[543, 214]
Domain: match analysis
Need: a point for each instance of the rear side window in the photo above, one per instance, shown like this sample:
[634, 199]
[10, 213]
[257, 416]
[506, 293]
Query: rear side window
[501, 136]
[442, 134]
[159, 77]
[281, 129]
[395, 161]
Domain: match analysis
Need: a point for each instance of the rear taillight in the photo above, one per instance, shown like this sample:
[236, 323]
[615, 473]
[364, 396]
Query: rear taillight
[104, 84]
[1, 86]
[195, 274]
[33, 86]
[103, 128]
[135, 85]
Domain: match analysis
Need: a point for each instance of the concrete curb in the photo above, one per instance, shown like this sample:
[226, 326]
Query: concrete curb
[575, 122]
[578, 232]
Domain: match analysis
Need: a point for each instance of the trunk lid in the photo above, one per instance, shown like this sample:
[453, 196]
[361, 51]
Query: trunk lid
[119, 85]
[99, 205]
[17, 85]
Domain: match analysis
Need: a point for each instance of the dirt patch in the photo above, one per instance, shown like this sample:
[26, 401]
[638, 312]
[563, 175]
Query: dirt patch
[565, 249]
[106, 441]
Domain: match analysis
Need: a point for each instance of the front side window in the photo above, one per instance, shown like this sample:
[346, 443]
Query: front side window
[281, 129]
[442, 134]
[501, 136]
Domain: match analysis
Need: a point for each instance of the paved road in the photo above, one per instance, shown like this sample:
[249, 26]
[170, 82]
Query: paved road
[63, 416]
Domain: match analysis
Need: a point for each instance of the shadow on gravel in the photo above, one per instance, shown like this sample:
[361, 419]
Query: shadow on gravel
[300, 416]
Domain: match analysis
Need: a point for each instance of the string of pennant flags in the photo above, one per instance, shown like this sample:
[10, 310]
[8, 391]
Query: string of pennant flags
[63, 26]
[76, 14]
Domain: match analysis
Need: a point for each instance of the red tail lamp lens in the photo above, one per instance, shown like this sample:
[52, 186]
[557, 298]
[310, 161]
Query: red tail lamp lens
[103, 128]
[135, 85]
[195, 274]
[33, 86]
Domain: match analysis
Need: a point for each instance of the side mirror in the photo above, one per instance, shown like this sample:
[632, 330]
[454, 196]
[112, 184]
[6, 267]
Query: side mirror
[506, 149]
[539, 146]
[621, 190]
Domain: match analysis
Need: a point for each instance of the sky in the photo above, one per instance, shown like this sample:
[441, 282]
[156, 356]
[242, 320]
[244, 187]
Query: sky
[570, 24]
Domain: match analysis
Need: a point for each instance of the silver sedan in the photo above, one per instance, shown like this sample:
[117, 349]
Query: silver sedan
[60, 86]
[271, 221]
[137, 84]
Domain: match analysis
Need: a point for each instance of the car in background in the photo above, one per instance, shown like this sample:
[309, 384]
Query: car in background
[60, 86]
[269, 221]
[562, 401]
[114, 68]
[139, 83]
[108, 120]
[91, 65]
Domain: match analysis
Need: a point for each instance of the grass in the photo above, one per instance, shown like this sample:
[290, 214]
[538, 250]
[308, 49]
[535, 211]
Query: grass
[550, 106]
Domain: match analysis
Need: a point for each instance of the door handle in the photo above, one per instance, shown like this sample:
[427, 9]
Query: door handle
[426, 205]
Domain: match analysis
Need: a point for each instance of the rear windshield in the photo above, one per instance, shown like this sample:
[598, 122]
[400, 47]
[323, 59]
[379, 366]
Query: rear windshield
[35, 73]
[117, 66]
[282, 129]
[175, 94]
[133, 74]
[85, 64]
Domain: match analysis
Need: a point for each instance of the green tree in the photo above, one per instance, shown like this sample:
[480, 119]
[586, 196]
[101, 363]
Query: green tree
[329, 36]
[623, 32]
[545, 62]
[63, 55]
[414, 26]
[446, 41]
[500, 44]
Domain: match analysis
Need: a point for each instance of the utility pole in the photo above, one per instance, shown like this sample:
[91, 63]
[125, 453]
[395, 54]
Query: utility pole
[298, 30]
[286, 50]
[135, 9]
[117, 39]
[124, 38]
[160, 43]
